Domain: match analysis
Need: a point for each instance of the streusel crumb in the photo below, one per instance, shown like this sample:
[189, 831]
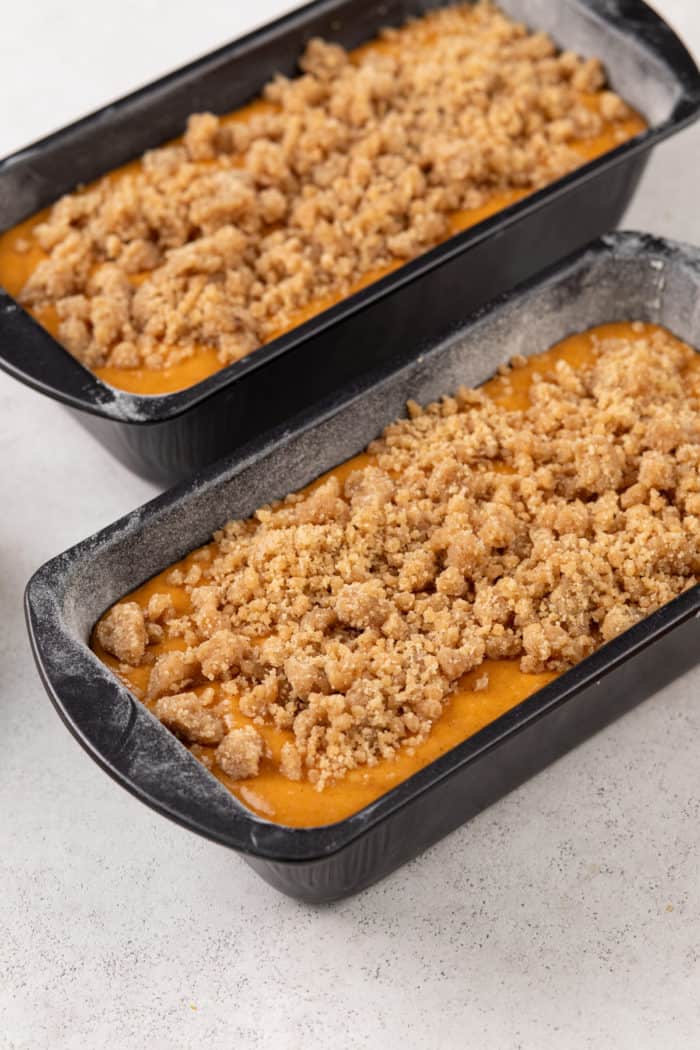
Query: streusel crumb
[347, 615]
[122, 632]
[239, 753]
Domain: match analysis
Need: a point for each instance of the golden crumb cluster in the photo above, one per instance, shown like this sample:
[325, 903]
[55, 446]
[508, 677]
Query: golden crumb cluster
[220, 240]
[346, 615]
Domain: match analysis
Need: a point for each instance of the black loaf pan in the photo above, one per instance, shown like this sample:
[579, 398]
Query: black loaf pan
[167, 437]
[623, 276]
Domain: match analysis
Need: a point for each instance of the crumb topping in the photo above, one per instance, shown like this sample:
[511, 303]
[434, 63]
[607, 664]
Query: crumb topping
[220, 240]
[123, 632]
[346, 615]
[239, 753]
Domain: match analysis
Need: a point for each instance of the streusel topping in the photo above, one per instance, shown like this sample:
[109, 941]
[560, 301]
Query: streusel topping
[220, 240]
[347, 614]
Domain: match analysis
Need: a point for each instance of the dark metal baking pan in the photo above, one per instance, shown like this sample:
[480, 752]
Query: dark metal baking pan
[167, 437]
[624, 276]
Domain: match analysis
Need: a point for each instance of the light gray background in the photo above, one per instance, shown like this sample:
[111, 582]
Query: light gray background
[567, 916]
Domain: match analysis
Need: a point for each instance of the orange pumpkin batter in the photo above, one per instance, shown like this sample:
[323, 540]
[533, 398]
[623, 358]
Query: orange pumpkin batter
[299, 804]
[18, 262]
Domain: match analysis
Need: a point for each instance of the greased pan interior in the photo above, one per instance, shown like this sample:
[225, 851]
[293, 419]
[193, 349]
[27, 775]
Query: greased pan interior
[629, 276]
[166, 437]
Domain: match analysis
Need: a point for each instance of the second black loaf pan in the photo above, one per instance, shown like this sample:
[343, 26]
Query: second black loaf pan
[167, 437]
[626, 276]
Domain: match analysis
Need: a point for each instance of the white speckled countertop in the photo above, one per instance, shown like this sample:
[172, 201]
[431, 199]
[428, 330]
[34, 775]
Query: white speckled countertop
[567, 916]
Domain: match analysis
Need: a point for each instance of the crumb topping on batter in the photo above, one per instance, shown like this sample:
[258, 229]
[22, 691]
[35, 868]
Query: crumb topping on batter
[220, 240]
[347, 614]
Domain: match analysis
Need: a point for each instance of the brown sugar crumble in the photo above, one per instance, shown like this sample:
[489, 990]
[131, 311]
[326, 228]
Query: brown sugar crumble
[220, 240]
[347, 614]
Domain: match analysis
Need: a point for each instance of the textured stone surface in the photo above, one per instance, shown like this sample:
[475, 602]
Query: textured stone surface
[567, 916]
